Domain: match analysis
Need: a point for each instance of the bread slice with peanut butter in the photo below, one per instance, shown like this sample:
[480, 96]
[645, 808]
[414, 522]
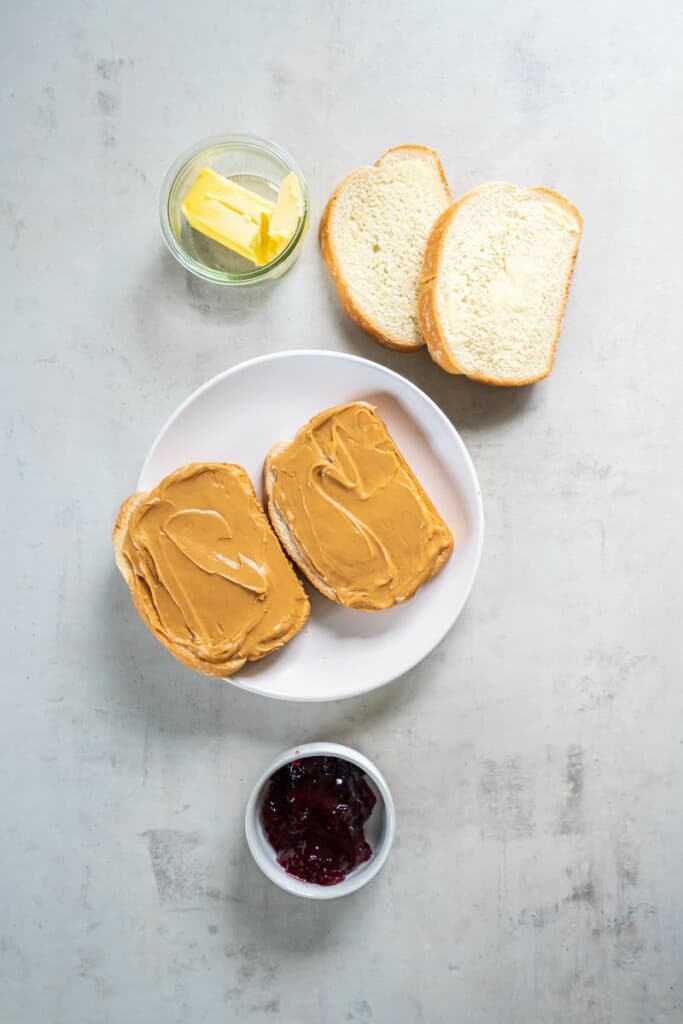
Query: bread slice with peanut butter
[351, 513]
[205, 570]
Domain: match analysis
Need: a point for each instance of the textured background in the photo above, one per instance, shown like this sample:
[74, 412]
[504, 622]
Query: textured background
[536, 756]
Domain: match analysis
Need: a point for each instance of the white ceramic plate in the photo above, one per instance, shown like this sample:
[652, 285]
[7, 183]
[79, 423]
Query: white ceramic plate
[238, 415]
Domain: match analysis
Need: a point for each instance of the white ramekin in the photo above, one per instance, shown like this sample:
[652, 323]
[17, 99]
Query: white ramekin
[379, 830]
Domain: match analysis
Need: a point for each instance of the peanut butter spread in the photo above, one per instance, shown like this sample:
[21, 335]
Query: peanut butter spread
[356, 515]
[208, 574]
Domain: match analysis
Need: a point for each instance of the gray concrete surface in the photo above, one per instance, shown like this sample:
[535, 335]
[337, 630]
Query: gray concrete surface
[536, 756]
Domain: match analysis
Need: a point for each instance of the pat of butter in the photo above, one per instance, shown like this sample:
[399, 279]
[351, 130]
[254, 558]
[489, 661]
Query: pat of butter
[242, 220]
[288, 209]
[284, 219]
[235, 230]
[211, 185]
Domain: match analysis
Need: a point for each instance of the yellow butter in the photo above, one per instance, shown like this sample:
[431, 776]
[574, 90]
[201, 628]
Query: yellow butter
[211, 185]
[235, 230]
[264, 247]
[284, 219]
[242, 220]
[288, 209]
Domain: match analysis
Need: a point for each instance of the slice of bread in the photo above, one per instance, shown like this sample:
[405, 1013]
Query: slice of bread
[205, 570]
[373, 235]
[495, 282]
[350, 512]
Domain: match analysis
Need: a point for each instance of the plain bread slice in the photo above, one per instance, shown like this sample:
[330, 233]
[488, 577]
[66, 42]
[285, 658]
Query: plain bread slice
[373, 235]
[495, 282]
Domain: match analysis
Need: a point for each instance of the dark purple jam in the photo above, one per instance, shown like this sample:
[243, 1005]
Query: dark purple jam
[313, 813]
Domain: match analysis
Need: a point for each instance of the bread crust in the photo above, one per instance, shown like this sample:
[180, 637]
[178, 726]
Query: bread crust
[426, 300]
[333, 264]
[286, 537]
[182, 653]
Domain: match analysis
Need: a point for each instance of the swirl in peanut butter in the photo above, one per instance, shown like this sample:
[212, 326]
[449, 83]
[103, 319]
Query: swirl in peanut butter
[209, 575]
[356, 513]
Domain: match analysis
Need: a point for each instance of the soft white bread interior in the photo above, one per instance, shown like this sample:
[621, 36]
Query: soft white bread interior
[373, 235]
[495, 282]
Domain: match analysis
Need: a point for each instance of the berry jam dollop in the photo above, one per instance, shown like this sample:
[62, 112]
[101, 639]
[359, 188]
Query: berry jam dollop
[313, 813]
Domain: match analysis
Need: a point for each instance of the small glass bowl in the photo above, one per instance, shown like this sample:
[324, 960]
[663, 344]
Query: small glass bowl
[256, 163]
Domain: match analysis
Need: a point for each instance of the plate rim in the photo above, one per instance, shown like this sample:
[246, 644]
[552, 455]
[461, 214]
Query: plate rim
[248, 686]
